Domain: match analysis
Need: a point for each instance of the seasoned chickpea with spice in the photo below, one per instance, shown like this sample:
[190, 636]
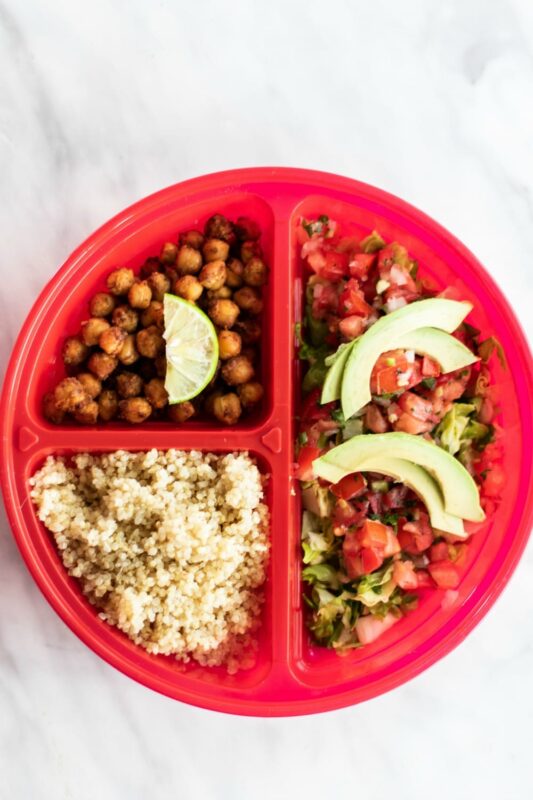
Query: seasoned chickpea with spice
[125, 317]
[224, 293]
[101, 304]
[213, 275]
[150, 342]
[234, 273]
[188, 287]
[247, 229]
[237, 370]
[224, 313]
[227, 408]
[248, 299]
[150, 267]
[160, 364]
[112, 339]
[51, 410]
[140, 295]
[215, 250]
[120, 281]
[189, 260]
[255, 272]
[250, 393]
[107, 405]
[155, 393]
[192, 238]
[181, 412]
[129, 384]
[250, 250]
[153, 315]
[159, 284]
[128, 353]
[169, 253]
[69, 394]
[87, 413]
[91, 384]
[135, 410]
[229, 344]
[219, 227]
[102, 365]
[92, 329]
[249, 330]
[74, 351]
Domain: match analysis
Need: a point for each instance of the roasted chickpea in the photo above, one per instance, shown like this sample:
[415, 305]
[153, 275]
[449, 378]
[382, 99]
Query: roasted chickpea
[92, 329]
[192, 238]
[69, 394]
[140, 295]
[223, 293]
[90, 383]
[74, 351]
[255, 272]
[209, 402]
[112, 339]
[213, 275]
[153, 315]
[219, 227]
[102, 304]
[150, 267]
[169, 253]
[51, 410]
[248, 299]
[149, 342]
[87, 413]
[120, 281]
[128, 353]
[155, 393]
[172, 274]
[223, 313]
[189, 288]
[249, 330]
[102, 365]
[107, 405]
[160, 364]
[215, 250]
[250, 393]
[250, 250]
[181, 412]
[246, 229]
[135, 409]
[227, 408]
[126, 318]
[237, 370]
[159, 284]
[229, 344]
[234, 271]
[146, 369]
[189, 260]
[129, 384]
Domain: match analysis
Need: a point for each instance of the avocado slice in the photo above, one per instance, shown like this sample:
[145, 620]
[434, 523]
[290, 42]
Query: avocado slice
[420, 481]
[445, 349]
[437, 312]
[461, 496]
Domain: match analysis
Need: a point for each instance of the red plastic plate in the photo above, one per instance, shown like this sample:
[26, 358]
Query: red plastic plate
[291, 675]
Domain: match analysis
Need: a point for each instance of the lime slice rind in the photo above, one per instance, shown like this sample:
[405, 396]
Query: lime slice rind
[191, 349]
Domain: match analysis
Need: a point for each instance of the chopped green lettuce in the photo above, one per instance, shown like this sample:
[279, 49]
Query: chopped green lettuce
[451, 430]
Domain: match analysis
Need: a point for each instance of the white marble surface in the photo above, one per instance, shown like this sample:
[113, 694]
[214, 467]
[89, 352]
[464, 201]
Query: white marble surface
[104, 102]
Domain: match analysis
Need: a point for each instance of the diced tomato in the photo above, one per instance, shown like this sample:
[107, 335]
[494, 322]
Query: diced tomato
[438, 552]
[393, 545]
[350, 486]
[317, 261]
[409, 424]
[372, 558]
[302, 235]
[312, 410]
[361, 563]
[372, 533]
[395, 497]
[403, 573]
[352, 301]
[392, 373]
[494, 481]
[351, 327]
[375, 501]
[430, 368]
[418, 407]
[335, 266]
[424, 579]
[306, 456]
[374, 419]
[445, 574]
[369, 628]
[416, 536]
[345, 513]
[392, 253]
[361, 264]
[325, 299]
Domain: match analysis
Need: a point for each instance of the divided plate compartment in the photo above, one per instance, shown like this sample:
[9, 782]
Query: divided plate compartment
[291, 675]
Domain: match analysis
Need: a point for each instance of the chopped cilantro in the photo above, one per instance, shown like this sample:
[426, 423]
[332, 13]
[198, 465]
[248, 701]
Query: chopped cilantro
[429, 383]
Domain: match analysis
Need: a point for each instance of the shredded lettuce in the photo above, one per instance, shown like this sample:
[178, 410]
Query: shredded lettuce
[376, 587]
[451, 430]
[323, 574]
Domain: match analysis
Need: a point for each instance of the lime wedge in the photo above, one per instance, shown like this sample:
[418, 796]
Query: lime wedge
[191, 349]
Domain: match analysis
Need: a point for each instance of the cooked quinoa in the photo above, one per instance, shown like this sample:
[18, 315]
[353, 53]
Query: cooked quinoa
[171, 547]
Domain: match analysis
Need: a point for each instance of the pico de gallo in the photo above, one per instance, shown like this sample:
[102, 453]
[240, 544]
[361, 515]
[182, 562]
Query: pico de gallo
[368, 546]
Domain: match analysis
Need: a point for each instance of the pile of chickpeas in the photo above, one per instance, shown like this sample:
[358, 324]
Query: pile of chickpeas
[116, 365]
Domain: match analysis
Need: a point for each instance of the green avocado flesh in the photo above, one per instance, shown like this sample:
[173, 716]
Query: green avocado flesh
[384, 335]
[460, 493]
[420, 481]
